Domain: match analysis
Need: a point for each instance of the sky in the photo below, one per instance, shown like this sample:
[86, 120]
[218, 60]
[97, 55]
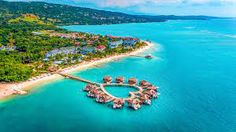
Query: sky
[223, 8]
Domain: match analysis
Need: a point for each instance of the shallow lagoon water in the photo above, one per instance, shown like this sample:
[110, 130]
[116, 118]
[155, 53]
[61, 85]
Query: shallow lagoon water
[194, 66]
[120, 91]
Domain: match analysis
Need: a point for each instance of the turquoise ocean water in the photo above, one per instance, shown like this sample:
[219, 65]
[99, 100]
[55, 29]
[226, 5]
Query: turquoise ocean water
[194, 65]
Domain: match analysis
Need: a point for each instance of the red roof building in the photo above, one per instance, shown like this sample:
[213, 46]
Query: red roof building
[101, 48]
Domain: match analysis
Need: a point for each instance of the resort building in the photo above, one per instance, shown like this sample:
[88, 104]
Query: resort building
[87, 49]
[115, 44]
[8, 48]
[37, 33]
[100, 48]
[112, 37]
[90, 42]
[130, 42]
[58, 62]
[64, 50]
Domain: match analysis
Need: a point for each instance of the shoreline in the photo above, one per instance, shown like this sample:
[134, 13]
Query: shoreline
[8, 90]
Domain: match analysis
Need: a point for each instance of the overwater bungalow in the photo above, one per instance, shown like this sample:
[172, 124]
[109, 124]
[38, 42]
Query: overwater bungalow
[151, 93]
[132, 81]
[107, 79]
[90, 87]
[102, 98]
[144, 83]
[120, 80]
[134, 103]
[93, 93]
[152, 87]
[145, 98]
[118, 103]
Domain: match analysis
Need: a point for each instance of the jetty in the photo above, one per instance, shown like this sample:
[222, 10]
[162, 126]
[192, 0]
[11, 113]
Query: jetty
[77, 78]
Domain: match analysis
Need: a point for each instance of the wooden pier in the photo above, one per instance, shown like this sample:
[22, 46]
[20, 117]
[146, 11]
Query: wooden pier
[77, 78]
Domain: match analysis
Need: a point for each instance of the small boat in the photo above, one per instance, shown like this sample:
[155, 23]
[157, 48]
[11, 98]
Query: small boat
[148, 56]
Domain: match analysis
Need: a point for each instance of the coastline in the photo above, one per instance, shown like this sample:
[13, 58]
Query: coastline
[8, 90]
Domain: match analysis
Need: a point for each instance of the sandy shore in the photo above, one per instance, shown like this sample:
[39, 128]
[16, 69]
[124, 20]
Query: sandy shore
[7, 89]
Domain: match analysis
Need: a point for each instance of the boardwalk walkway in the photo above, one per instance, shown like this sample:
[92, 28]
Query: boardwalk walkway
[77, 78]
[132, 94]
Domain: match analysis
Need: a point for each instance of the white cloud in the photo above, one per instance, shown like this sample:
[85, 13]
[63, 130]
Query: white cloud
[129, 3]
[178, 7]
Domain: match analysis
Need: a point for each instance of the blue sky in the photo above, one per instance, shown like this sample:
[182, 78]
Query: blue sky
[158, 7]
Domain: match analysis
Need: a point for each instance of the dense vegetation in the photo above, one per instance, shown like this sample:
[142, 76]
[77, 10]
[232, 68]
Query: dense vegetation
[18, 65]
[68, 15]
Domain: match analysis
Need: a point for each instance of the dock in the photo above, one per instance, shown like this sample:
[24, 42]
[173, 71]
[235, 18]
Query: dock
[77, 78]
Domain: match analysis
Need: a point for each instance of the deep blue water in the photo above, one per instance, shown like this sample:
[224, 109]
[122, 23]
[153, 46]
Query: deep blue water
[194, 66]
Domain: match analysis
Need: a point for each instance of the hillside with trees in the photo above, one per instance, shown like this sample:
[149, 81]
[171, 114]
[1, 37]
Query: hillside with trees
[71, 15]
